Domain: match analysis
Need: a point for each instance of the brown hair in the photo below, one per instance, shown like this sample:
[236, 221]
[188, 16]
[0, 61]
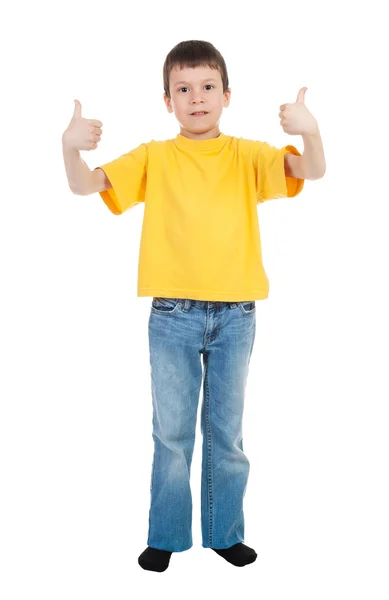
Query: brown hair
[194, 53]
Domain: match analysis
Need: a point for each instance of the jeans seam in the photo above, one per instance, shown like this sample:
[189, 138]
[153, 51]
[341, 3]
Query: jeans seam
[209, 458]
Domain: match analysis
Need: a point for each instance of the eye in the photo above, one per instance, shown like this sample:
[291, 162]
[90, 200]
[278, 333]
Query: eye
[185, 88]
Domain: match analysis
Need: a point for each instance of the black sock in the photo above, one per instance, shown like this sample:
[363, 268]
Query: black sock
[153, 559]
[238, 555]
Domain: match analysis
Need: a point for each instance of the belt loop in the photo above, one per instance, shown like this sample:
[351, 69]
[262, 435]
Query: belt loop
[232, 304]
[187, 304]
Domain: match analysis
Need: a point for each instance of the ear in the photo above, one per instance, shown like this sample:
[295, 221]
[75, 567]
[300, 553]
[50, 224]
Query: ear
[227, 97]
[168, 103]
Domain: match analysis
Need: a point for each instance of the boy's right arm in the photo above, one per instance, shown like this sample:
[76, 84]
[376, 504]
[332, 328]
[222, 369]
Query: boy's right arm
[82, 181]
[82, 134]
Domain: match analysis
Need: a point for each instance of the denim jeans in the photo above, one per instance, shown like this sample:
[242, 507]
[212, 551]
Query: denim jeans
[180, 332]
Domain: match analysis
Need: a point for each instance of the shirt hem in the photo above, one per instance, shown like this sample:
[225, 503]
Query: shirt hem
[199, 295]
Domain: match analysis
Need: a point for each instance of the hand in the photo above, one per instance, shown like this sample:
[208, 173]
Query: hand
[296, 118]
[82, 134]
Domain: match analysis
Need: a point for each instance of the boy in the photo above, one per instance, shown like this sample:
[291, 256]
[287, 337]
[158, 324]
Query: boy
[200, 261]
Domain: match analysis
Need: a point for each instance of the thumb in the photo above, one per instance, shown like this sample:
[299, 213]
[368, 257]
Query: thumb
[301, 95]
[77, 109]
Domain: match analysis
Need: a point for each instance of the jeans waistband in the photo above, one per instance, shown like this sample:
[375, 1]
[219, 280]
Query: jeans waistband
[212, 304]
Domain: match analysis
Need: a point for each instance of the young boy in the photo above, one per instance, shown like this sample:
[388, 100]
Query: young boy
[200, 261]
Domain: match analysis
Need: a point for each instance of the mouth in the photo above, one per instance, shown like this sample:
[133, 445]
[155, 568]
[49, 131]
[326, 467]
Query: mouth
[199, 114]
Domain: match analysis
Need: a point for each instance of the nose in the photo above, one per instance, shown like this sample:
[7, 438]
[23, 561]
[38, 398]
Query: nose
[196, 96]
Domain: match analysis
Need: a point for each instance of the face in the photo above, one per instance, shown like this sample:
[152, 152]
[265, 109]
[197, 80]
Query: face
[196, 90]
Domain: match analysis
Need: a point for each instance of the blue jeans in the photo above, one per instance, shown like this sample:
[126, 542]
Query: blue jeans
[180, 331]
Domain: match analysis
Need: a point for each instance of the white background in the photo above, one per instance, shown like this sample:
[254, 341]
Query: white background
[75, 423]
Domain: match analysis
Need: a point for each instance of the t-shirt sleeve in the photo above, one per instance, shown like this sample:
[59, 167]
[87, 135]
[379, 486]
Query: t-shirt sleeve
[127, 174]
[271, 181]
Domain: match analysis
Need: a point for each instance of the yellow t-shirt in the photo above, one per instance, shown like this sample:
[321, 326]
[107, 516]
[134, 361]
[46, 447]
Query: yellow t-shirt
[200, 234]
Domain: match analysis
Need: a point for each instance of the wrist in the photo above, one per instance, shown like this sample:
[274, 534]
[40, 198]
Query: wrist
[67, 145]
[314, 133]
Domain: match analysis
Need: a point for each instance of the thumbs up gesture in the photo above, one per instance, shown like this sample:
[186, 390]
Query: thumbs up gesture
[296, 118]
[81, 133]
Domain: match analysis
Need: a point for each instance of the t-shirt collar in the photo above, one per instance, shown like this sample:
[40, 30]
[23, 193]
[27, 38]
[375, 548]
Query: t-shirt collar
[211, 144]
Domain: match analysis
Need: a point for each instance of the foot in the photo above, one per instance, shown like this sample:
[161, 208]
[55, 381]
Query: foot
[238, 555]
[153, 559]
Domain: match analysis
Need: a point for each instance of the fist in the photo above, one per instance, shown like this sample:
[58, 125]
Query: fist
[82, 134]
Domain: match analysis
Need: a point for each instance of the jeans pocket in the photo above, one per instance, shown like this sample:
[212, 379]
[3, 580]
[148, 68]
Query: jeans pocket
[165, 305]
[247, 307]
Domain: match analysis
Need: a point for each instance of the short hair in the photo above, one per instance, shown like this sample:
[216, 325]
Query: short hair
[192, 54]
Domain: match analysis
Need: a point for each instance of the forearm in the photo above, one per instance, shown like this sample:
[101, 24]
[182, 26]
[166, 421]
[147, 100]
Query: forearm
[77, 171]
[313, 160]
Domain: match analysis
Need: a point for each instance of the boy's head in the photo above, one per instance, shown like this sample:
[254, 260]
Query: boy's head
[195, 79]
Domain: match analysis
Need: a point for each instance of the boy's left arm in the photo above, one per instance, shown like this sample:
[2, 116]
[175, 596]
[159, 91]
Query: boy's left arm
[297, 120]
